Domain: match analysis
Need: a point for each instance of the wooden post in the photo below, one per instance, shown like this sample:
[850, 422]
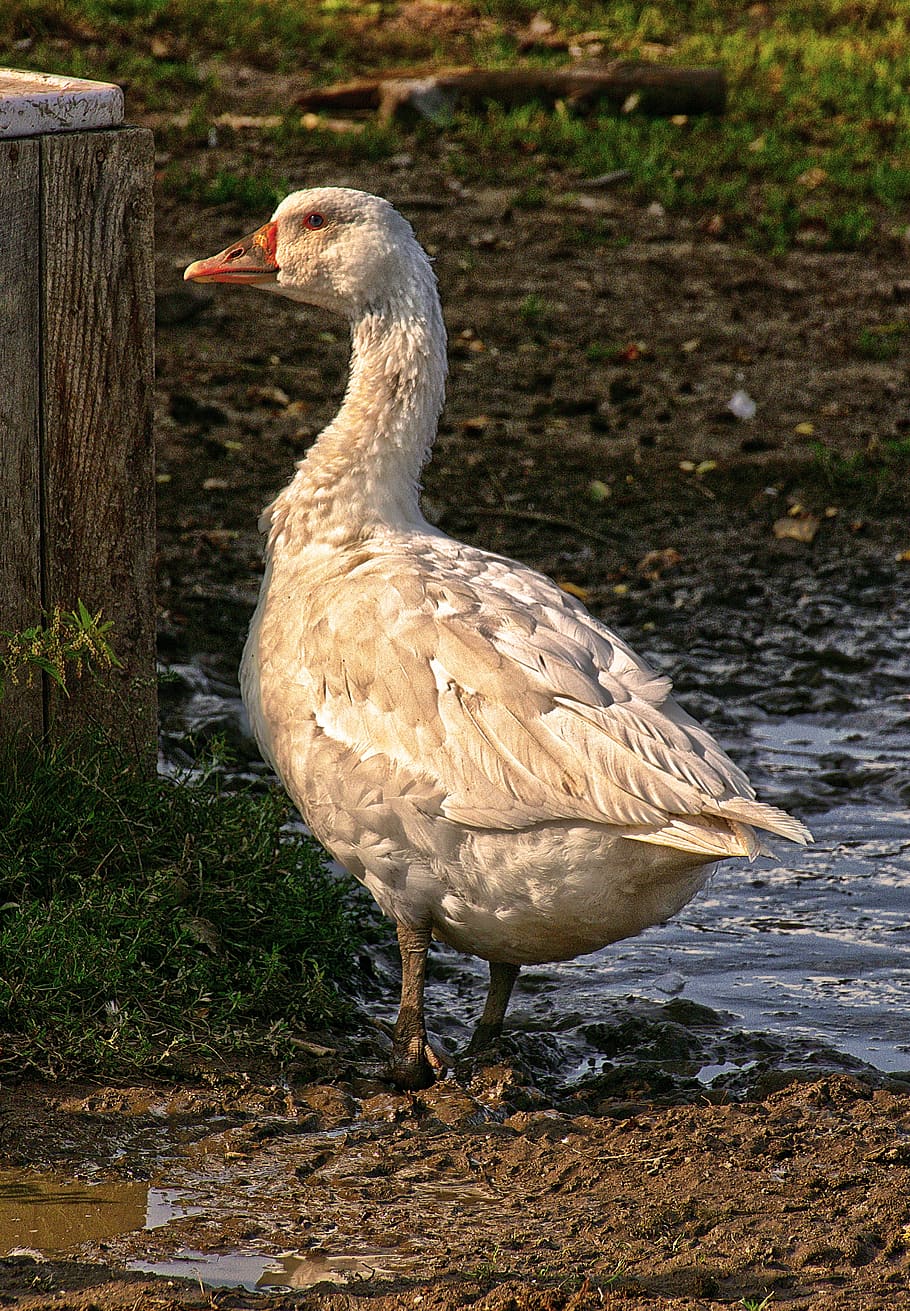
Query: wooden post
[76, 395]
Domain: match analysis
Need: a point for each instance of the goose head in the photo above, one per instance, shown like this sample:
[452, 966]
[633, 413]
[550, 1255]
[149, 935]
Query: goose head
[346, 251]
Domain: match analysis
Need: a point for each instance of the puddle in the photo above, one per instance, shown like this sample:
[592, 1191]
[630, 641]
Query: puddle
[53, 1216]
[230, 1270]
[45, 1216]
[716, 1070]
[258, 1273]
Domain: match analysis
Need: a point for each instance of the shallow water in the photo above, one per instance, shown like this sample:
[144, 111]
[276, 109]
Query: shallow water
[48, 1216]
[53, 1214]
[797, 961]
[258, 1273]
[803, 959]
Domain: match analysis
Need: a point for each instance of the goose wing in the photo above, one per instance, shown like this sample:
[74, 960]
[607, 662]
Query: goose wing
[516, 707]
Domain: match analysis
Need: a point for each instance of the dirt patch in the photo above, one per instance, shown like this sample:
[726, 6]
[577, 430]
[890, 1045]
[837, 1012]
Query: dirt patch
[454, 1197]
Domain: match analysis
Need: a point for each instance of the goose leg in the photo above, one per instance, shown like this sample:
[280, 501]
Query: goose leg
[413, 1060]
[502, 981]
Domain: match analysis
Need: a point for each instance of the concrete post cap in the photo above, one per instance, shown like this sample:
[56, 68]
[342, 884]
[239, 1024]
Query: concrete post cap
[35, 104]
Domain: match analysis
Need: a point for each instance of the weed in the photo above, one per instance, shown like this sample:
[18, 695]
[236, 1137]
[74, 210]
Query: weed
[70, 642]
[617, 1275]
[146, 921]
[492, 1267]
[883, 341]
[535, 310]
[752, 1304]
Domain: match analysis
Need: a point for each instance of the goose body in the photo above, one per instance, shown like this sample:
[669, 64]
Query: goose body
[495, 765]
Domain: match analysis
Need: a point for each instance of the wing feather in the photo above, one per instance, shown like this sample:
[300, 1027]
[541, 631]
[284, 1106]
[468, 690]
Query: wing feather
[517, 707]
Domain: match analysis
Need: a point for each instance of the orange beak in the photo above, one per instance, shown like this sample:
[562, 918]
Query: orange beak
[248, 261]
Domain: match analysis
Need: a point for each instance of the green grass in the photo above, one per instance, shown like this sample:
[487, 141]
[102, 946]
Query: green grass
[369, 140]
[599, 351]
[147, 923]
[815, 144]
[253, 192]
[883, 341]
[879, 471]
[814, 147]
[535, 310]
[149, 41]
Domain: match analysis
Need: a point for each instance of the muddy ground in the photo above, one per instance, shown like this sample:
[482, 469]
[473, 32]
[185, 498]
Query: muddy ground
[594, 341]
[479, 1196]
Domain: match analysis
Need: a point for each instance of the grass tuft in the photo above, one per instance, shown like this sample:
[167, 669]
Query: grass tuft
[145, 923]
[879, 470]
[246, 192]
[883, 341]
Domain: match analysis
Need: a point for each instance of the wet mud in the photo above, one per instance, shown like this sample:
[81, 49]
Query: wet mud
[453, 1197]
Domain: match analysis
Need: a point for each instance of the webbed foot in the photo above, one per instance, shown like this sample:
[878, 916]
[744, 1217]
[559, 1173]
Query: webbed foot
[414, 1065]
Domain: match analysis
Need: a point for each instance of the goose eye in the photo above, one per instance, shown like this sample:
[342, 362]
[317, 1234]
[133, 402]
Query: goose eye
[314, 221]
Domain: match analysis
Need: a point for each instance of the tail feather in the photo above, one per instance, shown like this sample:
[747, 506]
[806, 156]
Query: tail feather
[759, 815]
[731, 832]
[704, 836]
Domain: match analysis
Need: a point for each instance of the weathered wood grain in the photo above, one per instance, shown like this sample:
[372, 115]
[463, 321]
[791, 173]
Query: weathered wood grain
[20, 431]
[97, 394]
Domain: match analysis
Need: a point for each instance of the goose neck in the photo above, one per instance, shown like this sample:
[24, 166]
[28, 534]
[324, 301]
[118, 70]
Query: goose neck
[364, 469]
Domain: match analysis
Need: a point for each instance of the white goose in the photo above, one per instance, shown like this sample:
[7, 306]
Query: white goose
[495, 765]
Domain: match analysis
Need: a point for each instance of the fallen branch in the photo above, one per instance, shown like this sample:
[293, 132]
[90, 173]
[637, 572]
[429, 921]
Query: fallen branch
[649, 88]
